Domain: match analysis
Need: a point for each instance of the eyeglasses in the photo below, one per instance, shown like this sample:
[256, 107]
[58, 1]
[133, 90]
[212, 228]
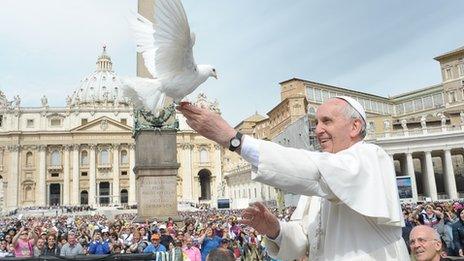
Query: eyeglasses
[420, 241]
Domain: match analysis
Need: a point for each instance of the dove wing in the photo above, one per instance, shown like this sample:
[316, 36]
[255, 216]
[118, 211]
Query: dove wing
[143, 32]
[166, 45]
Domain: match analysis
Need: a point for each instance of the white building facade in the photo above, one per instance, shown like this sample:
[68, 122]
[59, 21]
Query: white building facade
[77, 155]
[84, 153]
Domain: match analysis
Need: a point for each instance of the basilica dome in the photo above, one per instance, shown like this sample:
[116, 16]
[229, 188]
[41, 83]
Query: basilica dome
[102, 87]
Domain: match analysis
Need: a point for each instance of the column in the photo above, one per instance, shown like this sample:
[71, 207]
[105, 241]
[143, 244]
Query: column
[220, 182]
[411, 174]
[61, 195]
[42, 179]
[92, 175]
[430, 177]
[196, 185]
[75, 175]
[116, 195]
[187, 172]
[132, 199]
[450, 181]
[66, 177]
[5, 195]
[13, 179]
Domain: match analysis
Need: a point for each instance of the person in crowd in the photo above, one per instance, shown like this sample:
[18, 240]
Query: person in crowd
[220, 254]
[444, 229]
[176, 253]
[23, 243]
[9, 239]
[39, 247]
[51, 247]
[179, 236]
[72, 247]
[254, 245]
[351, 183]
[166, 238]
[4, 251]
[458, 233]
[144, 234]
[43, 235]
[98, 246]
[137, 245]
[117, 249]
[425, 243]
[408, 225]
[429, 217]
[126, 235]
[155, 245]
[208, 242]
[191, 251]
[225, 244]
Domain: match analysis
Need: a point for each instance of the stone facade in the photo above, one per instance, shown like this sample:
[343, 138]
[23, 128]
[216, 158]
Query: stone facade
[422, 130]
[79, 154]
[84, 153]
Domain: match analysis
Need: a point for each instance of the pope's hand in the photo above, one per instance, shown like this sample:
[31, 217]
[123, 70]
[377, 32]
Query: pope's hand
[208, 123]
[261, 219]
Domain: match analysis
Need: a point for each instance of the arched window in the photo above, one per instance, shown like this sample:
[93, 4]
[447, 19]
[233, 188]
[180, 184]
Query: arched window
[28, 194]
[84, 158]
[124, 196]
[56, 158]
[203, 155]
[29, 158]
[84, 197]
[205, 184]
[105, 157]
[124, 157]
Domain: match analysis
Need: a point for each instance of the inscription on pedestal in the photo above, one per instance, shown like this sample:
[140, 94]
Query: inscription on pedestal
[157, 196]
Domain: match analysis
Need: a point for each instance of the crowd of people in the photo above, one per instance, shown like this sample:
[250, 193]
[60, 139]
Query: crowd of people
[446, 218]
[193, 238]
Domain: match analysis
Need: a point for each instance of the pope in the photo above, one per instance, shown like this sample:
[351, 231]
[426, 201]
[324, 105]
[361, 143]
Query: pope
[353, 211]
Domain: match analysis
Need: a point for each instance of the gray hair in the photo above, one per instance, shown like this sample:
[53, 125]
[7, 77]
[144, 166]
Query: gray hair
[351, 113]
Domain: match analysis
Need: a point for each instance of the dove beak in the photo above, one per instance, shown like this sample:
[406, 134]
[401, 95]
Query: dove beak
[215, 76]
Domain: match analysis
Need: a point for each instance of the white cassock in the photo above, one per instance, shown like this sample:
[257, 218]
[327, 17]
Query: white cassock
[354, 212]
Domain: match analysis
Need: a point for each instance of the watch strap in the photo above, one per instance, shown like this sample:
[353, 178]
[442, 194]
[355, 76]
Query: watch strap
[238, 137]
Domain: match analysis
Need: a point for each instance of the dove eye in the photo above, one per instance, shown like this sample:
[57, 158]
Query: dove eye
[214, 70]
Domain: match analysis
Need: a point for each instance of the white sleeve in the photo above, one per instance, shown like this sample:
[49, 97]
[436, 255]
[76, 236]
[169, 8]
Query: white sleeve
[250, 150]
[286, 168]
[291, 243]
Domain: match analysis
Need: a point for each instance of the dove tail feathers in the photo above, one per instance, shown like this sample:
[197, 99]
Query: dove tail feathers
[143, 92]
[129, 92]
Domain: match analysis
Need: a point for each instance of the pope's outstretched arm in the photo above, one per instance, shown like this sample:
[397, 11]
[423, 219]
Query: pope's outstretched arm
[291, 236]
[302, 178]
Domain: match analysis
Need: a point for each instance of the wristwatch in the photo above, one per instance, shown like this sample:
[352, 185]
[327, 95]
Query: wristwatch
[235, 142]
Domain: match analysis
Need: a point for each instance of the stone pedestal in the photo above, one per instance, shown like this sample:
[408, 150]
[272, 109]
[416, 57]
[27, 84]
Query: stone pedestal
[156, 173]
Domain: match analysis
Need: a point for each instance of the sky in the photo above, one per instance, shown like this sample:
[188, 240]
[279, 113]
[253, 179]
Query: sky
[380, 47]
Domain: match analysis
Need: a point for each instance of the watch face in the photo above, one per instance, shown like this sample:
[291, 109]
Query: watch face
[235, 142]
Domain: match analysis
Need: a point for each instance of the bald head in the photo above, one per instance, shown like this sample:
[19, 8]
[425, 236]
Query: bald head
[428, 230]
[425, 243]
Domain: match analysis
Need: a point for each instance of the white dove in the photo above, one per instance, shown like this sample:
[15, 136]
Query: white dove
[166, 46]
